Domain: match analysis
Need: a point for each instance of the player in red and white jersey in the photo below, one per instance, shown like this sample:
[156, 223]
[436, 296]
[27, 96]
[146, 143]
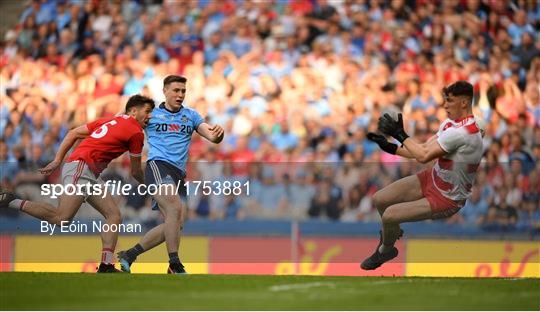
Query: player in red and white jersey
[102, 141]
[453, 174]
[108, 140]
[437, 192]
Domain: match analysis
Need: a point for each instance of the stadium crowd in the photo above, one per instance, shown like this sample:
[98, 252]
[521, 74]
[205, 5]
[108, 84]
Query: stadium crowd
[296, 84]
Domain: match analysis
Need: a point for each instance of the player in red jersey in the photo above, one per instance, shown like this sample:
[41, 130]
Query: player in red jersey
[437, 192]
[102, 141]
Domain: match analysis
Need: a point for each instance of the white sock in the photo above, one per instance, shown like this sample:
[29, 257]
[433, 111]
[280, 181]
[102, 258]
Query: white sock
[384, 249]
[16, 203]
[107, 256]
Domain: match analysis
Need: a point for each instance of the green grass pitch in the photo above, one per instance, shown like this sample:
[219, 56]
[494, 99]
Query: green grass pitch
[69, 291]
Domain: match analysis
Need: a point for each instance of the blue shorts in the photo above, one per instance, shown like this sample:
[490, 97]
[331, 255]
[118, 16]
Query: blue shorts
[161, 172]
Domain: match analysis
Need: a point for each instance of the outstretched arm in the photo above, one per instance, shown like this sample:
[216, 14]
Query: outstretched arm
[213, 133]
[426, 152]
[393, 148]
[404, 152]
[423, 153]
[72, 136]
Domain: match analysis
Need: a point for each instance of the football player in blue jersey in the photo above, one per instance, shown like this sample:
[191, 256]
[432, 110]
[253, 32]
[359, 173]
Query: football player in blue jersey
[169, 136]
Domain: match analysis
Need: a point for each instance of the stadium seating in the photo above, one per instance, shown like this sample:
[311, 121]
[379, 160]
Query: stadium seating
[296, 85]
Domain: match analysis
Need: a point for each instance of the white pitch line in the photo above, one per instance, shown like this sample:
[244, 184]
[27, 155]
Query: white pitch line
[286, 287]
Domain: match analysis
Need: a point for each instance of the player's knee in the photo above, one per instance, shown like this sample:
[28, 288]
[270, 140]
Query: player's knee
[114, 218]
[61, 219]
[169, 203]
[389, 217]
[174, 214]
[170, 199]
[378, 200]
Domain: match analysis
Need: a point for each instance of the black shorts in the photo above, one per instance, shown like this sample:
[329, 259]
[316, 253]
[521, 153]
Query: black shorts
[161, 172]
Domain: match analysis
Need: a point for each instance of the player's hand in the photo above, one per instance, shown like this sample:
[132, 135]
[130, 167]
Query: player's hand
[394, 128]
[386, 146]
[49, 168]
[388, 125]
[218, 132]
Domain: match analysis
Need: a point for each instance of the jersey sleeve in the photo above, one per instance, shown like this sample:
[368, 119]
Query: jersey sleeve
[96, 124]
[197, 120]
[441, 128]
[135, 144]
[450, 140]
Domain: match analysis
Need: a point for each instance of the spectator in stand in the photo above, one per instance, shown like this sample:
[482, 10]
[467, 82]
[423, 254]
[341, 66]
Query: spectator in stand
[475, 210]
[327, 201]
[501, 216]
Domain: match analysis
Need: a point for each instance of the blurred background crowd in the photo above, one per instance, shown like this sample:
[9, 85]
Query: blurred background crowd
[296, 84]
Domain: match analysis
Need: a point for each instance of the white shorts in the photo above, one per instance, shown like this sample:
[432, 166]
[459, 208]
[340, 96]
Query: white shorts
[78, 173]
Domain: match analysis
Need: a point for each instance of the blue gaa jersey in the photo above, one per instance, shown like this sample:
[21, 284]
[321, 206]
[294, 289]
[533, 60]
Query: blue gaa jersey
[169, 134]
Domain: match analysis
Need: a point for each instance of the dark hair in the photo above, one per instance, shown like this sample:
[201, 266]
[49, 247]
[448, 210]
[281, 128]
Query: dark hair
[459, 88]
[137, 101]
[173, 78]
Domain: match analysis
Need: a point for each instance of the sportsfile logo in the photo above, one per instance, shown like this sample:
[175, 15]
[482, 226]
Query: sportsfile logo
[115, 188]
[188, 188]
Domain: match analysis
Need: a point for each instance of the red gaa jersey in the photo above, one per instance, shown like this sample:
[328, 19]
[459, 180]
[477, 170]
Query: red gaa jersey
[108, 139]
